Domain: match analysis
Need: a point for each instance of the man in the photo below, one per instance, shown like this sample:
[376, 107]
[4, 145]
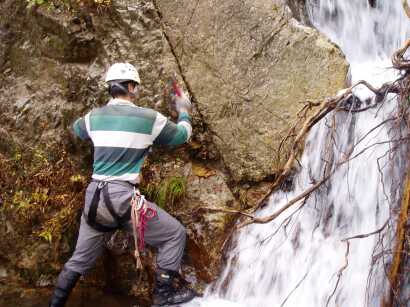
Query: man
[122, 134]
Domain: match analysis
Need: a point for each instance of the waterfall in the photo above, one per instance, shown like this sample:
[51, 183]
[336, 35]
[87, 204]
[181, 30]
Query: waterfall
[301, 258]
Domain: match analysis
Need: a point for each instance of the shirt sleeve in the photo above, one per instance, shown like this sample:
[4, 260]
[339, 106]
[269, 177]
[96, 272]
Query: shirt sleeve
[175, 134]
[80, 129]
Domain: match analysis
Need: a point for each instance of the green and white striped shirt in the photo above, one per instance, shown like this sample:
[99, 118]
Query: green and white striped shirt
[122, 134]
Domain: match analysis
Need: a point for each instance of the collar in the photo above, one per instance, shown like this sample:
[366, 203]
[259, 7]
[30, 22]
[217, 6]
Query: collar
[118, 101]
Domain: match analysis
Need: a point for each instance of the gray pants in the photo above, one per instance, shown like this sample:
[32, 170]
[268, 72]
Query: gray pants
[162, 232]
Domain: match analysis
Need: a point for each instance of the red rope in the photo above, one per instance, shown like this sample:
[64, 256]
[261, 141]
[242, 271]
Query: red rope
[145, 216]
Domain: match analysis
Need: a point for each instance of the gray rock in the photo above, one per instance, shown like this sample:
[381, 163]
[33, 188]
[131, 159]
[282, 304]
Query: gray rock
[206, 187]
[22, 103]
[299, 11]
[249, 65]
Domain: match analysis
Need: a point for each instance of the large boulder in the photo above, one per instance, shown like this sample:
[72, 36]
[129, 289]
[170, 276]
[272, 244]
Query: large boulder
[249, 65]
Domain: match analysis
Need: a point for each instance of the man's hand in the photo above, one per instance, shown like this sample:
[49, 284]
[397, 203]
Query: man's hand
[182, 103]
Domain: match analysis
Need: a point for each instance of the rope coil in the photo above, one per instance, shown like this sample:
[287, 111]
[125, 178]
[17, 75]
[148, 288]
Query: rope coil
[140, 215]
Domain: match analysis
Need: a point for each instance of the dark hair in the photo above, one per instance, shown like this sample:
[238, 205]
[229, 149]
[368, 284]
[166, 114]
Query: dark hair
[118, 88]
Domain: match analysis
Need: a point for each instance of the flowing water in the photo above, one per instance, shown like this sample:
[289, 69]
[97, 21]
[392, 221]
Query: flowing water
[300, 259]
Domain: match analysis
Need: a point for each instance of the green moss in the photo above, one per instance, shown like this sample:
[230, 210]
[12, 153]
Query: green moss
[167, 193]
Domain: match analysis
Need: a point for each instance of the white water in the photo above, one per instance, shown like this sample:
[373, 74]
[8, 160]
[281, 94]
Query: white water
[295, 260]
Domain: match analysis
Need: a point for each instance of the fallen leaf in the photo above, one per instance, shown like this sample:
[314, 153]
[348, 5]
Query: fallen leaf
[202, 171]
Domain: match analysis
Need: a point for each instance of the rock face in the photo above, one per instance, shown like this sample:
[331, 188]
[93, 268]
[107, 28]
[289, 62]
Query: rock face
[55, 62]
[248, 65]
[298, 8]
[205, 188]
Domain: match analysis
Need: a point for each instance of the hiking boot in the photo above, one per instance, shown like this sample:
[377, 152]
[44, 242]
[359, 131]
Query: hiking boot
[65, 283]
[170, 289]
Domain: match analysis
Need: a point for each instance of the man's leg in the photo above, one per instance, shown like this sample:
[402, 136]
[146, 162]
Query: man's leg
[89, 247]
[168, 235]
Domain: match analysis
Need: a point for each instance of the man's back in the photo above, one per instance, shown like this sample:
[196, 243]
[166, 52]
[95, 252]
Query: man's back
[122, 134]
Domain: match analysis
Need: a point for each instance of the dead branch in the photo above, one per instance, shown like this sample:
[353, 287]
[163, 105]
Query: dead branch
[406, 7]
[226, 211]
[294, 289]
[340, 272]
[398, 60]
[269, 218]
[263, 220]
[362, 236]
[307, 192]
[325, 107]
[328, 105]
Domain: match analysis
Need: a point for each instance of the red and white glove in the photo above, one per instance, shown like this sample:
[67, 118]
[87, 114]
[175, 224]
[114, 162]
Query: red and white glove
[182, 103]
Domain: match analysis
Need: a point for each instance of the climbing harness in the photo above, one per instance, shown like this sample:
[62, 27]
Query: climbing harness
[140, 215]
[138, 212]
[92, 213]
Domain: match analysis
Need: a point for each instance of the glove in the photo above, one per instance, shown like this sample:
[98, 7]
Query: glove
[182, 103]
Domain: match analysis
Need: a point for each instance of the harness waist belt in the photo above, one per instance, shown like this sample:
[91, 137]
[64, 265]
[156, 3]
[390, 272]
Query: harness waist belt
[91, 219]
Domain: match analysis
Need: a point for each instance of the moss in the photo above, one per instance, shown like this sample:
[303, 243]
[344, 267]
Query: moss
[167, 193]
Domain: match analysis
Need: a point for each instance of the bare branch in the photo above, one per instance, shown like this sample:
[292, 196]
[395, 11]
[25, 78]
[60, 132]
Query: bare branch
[294, 289]
[406, 7]
[226, 211]
[340, 272]
[362, 236]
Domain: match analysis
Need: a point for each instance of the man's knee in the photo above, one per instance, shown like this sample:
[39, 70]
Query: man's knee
[180, 233]
[79, 266]
[81, 262]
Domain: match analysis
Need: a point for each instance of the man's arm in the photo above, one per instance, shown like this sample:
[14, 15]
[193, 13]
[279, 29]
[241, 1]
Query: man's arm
[80, 129]
[175, 134]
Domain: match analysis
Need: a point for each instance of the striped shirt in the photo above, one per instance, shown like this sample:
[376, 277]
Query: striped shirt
[122, 134]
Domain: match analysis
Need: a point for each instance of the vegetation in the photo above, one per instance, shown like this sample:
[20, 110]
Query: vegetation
[167, 193]
[41, 192]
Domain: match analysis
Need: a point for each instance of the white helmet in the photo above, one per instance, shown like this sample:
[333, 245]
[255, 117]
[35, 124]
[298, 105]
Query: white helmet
[122, 72]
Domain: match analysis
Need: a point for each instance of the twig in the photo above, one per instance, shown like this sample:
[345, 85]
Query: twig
[361, 236]
[328, 105]
[226, 211]
[269, 218]
[398, 60]
[340, 272]
[294, 289]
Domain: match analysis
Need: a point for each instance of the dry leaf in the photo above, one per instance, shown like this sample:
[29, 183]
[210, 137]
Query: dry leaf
[202, 171]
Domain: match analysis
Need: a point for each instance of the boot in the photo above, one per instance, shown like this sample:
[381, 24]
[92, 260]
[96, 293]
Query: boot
[170, 289]
[65, 283]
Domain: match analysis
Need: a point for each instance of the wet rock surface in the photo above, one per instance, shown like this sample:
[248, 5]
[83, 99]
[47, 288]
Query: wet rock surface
[206, 187]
